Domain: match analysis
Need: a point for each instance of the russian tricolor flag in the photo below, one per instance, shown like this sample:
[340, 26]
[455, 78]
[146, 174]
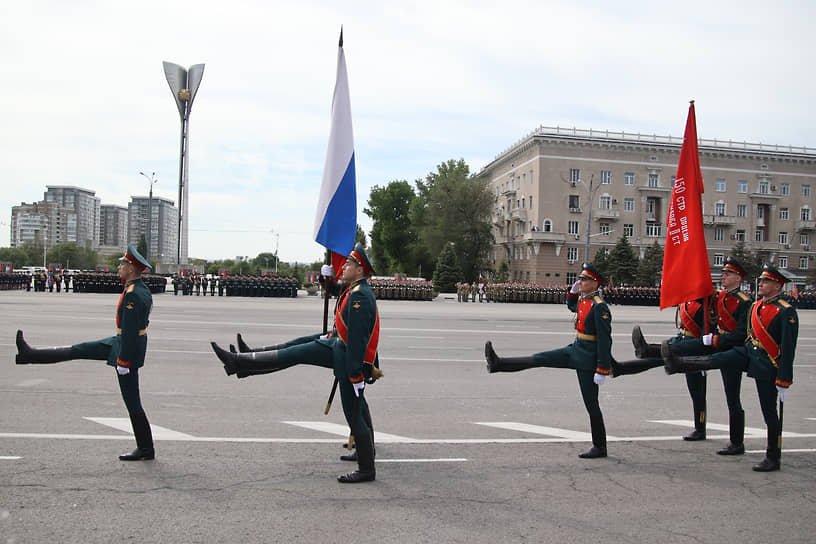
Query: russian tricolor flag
[336, 219]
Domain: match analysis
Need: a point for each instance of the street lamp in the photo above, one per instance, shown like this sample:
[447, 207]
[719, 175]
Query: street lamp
[152, 179]
[184, 85]
[590, 195]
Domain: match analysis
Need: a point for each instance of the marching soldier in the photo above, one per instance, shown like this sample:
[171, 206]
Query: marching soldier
[125, 351]
[773, 328]
[350, 349]
[589, 355]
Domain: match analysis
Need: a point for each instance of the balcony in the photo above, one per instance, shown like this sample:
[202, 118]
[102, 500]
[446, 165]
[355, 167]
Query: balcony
[500, 217]
[607, 213]
[509, 192]
[575, 210]
[651, 189]
[546, 237]
[519, 214]
[718, 219]
[805, 225]
[764, 196]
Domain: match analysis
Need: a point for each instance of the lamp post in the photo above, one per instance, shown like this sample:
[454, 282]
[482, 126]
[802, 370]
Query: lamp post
[152, 179]
[590, 194]
[184, 85]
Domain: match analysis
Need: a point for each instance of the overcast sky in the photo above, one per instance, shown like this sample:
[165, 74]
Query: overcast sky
[85, 102]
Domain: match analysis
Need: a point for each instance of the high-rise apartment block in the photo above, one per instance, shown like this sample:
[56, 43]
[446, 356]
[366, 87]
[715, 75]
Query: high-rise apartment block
[87, 207]
[42, 223]
[559, 192]
[163, 237]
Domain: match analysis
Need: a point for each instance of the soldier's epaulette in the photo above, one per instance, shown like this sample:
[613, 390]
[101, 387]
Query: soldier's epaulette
[355, 288]
[131, 288]
[784, 303]
[743, 296]
[597, 299]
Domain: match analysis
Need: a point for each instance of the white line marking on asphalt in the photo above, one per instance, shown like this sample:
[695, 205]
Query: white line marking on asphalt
[441, 460]
[753, 432]
[32, 382]
[343, 430]
[537, 429]
[123, 424]
[785, 450]
[9, 457]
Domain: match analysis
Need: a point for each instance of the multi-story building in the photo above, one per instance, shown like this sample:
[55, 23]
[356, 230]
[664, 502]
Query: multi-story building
[561, 194]
[42, 222]
[87, 207]
[113, 224]
[163, 239]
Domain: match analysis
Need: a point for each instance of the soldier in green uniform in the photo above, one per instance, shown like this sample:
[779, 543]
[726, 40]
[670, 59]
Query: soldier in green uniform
[350, 349]
[125, 351]
[773, 328]
[589, 355]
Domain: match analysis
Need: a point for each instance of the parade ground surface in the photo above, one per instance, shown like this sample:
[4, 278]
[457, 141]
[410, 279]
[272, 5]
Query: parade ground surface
[462, 456]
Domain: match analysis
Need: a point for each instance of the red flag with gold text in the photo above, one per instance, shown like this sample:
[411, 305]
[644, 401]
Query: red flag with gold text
[686, 271]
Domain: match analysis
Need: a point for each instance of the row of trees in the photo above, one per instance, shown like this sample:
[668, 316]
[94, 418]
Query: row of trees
[412, 224]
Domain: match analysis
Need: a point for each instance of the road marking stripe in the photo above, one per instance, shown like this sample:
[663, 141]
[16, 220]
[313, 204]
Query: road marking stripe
[123, 424]
[343, 430]
[9, 457]
[538, 429]
[442, 460]
[755, 432]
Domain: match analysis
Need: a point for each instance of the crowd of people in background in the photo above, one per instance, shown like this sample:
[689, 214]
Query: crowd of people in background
[81, 282]
[392, 289]
[240, 285]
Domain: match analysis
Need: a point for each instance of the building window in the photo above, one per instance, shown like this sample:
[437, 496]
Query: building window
[653, 180]
[604, 229]
[605, 203]
[547, 226]
[742, 210]
[805, 190]
[673, 179]
[628, 204]
[804, 239]
[606, 177]
[653, 230]
[719, 234]
[629, 178]
[719, 259]
[783, 214]
[804, 262]
[784, 189]
[782, 261]
[571, 277]
[783, 237]
[719, 185]
[740, 236]
[574, 202]
[804, 214]
[575, 175]
[572, 227]
[572, 254]
[628, 230]
[742, 186]
[758, 235]
[531, 202]
[764, 187]
[719, 208]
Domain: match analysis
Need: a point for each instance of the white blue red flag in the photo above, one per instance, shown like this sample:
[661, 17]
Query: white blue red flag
[336, 219]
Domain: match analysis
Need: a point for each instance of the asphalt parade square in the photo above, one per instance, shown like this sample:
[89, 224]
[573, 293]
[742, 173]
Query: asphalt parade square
[462, 456]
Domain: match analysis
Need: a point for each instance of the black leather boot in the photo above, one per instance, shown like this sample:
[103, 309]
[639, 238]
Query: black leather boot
[643, 350]
[505, 364]
[697, 389]
[675, 364]
[243, 347]
[28, 355]
[736, 428]
[365, 462]
[598, 448]
[636, 366]
[773, 455]
[246, 363]
[144, 440]
[353, 455]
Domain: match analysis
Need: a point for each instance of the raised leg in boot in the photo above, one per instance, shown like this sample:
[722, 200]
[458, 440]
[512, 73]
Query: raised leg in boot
[635, 366]
[246, 363]
[28, 355]
[676, 364]
[506, 364]
[643, 350]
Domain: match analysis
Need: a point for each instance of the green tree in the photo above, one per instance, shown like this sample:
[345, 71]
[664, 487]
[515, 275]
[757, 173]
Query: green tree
[447, 271]
[747, 259]
[72, 255]
[265, 261]
[503, 273]
[16, 256]
[360, 237]
[650, 267]
[601, 262]
[622, 264]
[141, 247]
[391, 234]
[455, 207]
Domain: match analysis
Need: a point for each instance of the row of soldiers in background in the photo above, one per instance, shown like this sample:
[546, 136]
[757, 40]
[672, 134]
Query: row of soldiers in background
[236, 286]
[110, 282]
[468, 292]
[526, 292]
[402, 289]
[9, 282]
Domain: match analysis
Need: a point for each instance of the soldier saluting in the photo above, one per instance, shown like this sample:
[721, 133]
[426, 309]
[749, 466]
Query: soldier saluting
[350, 349]
[589, 355]
[125, 351]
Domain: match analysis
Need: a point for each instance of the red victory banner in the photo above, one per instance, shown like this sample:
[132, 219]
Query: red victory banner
[686, 272]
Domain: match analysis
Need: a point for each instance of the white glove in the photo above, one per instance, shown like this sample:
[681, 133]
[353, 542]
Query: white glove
[358, 388]
[599, 379]
[575, 287]
[122, 370]
[708, 339]
[326, 270]
[324, 336]
[781, 392]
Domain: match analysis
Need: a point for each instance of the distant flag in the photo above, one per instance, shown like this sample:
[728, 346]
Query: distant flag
[336, 219]
[686, 271]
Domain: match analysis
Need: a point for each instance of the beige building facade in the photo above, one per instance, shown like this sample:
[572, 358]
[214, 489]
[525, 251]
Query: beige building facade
[560, 193]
